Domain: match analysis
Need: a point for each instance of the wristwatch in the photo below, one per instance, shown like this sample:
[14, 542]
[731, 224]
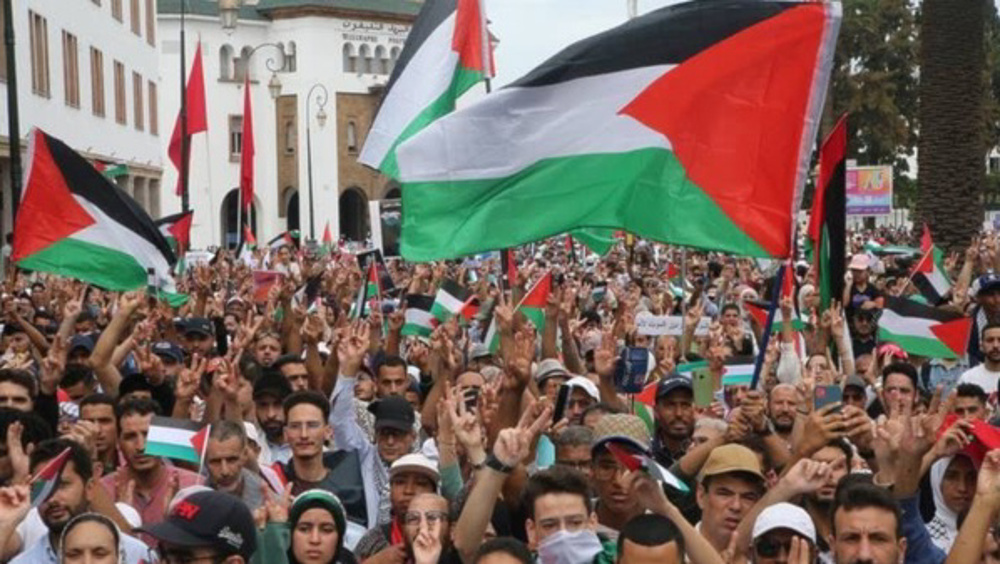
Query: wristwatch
[495, 463]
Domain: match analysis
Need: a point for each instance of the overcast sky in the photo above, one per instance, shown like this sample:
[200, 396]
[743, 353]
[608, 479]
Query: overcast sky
[531, 31]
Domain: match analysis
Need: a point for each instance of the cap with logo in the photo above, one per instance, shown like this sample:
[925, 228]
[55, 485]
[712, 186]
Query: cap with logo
[986, 283]
[208, 519]
[168, 350]
[671, 383]
[731, 458]
[416, 463]
[198, 325]
[785, 516]
[393, 412]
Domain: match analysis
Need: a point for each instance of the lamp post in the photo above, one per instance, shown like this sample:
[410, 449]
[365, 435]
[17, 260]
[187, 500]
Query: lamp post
[321, 98]
[13, 120]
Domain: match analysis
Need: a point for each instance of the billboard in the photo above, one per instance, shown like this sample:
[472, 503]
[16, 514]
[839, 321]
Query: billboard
[869, 190]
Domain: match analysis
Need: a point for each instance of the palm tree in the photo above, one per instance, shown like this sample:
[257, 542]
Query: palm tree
[951, 157]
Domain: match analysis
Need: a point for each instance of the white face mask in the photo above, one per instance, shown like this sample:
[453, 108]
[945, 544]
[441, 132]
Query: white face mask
[564, 547]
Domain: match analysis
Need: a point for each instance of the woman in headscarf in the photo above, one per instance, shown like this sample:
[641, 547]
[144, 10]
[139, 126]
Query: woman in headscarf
[953, 483]
[91, 538]
[318, 525]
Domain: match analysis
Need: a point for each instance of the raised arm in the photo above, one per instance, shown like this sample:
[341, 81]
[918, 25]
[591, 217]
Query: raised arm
[100, 359]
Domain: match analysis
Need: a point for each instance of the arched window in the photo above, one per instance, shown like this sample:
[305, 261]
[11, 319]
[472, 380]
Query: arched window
[226, 63]
[381, 62]
[352, 137]
[350, 59]
[243, 69]
[289, 136]
[290, 62]
[365, 54]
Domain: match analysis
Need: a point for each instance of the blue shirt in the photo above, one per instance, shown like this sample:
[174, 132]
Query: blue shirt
[919, 547]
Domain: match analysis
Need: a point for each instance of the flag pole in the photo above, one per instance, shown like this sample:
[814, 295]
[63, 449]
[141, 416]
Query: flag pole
[913, 272]
[204, 450]
[766, 337]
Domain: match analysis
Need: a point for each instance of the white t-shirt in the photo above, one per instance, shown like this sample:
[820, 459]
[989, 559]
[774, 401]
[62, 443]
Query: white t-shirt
[980, 376]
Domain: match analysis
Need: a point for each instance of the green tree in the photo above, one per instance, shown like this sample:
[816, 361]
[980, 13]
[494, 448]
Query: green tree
[952, 111]
[875, 81]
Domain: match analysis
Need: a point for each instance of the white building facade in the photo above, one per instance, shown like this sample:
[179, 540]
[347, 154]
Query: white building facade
[88, 74]
[347, 47]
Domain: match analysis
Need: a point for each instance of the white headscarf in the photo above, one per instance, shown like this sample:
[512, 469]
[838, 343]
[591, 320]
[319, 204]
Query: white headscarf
[943, 528]
[97, 518]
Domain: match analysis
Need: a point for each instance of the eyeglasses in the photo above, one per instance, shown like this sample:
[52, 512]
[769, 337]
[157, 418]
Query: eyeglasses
[576, 464]
[413, 518]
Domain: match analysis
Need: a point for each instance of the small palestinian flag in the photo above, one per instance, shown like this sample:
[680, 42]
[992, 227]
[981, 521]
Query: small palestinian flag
[181, 439]
[644, 406]
[532, 306]
[691, 125]
[45, 482]
[420, 320]
[286, 239]
[368, 293]
[74, 222]
[738, 371]
[923, 330]
[643, 461]
[176, 229]
[446, 52]
[111, 170]
[248, 237]
[451, 300]
[929, 274]
[758, 311]
[327, 240]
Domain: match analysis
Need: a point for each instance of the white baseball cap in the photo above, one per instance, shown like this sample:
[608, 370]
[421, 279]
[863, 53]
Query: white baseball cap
[585, 384]
[785, 516]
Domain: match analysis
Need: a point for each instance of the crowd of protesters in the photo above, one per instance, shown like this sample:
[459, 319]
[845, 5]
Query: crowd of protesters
[334, 437]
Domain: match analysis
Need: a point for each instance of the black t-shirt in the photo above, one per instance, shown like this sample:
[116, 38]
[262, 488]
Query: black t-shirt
[859, 297]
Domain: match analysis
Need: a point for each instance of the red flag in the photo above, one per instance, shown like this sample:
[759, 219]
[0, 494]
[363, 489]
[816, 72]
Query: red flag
[788, 282]
[197, 117]
[926, 243]
[246, 159]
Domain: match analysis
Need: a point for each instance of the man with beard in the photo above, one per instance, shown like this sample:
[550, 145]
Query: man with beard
[674, 419]
[269, 392]
[225, 458]
[782, 404]
[72, 497]
[986, 290]
[986, 374]
[150, 476]
[866, 527]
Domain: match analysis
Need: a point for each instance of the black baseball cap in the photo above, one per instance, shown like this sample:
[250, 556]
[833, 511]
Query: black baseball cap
[82, 341]
[272, 382]
[671, 383]
[208, 519]
[134, 383]
[166, 349]
[393, 412]
[200, 325]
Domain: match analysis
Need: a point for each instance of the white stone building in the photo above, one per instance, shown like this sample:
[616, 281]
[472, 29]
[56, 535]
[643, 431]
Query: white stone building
[87, 73]
[347, 46]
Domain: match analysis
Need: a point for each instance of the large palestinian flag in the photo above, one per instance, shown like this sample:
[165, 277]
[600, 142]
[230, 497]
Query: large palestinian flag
[446, 53]
[74, 222]
[690, 125]
[827, 235]
[923, 330]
